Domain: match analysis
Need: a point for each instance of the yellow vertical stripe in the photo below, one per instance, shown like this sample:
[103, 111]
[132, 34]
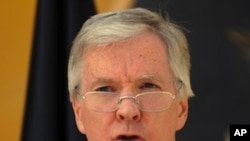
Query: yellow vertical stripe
[16, 33]
[109, 5]
[16, 29]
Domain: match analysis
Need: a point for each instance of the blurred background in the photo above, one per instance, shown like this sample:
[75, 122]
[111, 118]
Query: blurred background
[219, 36]
[16, 30]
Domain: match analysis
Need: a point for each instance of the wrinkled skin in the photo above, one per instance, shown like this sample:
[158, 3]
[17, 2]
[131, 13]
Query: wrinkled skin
[139, 64]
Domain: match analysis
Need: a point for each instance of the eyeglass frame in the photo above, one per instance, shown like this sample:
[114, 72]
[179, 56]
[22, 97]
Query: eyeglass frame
[118, 102]
[173, 96]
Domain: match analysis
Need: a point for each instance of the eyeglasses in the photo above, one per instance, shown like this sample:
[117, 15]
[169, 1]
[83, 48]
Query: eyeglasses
[110, 101]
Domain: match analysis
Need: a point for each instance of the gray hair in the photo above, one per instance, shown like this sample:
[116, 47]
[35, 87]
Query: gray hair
[115, 26]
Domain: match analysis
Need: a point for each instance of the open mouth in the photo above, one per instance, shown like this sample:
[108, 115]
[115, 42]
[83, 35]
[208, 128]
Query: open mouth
[128, 138]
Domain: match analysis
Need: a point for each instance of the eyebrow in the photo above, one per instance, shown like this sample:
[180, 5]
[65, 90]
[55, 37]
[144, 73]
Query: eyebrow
[100, 81]
[143, 77]
[104, 80]
[150, 78]
[147, 77]
[153, 78]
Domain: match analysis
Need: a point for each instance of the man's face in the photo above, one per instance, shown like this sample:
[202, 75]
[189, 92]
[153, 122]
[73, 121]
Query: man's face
[137, 65]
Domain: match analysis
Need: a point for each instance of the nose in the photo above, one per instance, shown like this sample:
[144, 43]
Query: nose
[128, 109]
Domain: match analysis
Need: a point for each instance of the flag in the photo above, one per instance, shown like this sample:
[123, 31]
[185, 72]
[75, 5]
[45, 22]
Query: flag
[48, 113]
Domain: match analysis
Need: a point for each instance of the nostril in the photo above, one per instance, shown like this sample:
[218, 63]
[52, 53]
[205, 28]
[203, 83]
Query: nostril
[128, 114]
[128, 110]
[136, 117]
[121, 117]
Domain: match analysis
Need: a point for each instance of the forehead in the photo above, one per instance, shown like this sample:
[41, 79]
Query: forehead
[145, 44]
[143, 55]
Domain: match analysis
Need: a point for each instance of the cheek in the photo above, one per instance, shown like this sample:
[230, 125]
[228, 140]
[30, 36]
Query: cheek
[97, 124]
[157, 129]
[164, 124]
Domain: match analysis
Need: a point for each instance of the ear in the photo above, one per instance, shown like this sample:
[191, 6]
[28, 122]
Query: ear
[76, 104]
[182, 113]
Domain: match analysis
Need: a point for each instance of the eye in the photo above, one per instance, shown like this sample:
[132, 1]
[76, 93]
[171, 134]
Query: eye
[105, 89]
[149, 85]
